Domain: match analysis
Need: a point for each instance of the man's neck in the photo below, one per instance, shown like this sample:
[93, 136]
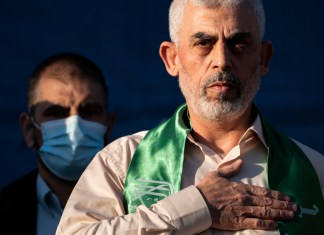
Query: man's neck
[61, 188]
[221, 136]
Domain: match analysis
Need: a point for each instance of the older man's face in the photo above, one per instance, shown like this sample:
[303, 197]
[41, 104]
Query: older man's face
[218, 58]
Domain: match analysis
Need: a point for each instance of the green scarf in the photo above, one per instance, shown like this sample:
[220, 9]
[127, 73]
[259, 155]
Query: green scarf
[155, 172]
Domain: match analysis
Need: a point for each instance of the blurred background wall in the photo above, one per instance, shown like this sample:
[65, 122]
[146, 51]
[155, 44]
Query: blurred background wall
[123, 38]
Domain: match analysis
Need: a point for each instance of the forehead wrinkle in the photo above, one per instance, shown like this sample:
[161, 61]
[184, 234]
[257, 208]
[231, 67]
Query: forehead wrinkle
[64, 95]
[234, 23]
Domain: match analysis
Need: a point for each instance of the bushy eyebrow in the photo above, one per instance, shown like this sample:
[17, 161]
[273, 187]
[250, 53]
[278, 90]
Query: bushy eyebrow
[236, 35]
[201, 36]
[240, 35]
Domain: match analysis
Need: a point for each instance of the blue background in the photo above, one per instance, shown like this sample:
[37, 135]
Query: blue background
[123, 38]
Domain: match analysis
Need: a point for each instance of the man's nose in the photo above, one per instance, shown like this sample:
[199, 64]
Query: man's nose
[74, 111]
[221, 57]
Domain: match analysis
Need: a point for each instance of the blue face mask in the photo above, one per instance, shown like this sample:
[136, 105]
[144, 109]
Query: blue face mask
[69, 145]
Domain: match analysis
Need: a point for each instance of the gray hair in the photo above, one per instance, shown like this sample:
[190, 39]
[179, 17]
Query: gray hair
[176, 12]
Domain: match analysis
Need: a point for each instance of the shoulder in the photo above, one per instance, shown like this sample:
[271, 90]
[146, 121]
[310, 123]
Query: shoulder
[22, 183]
[19, 191]
[313, 155]
[118, 154]
[20, 197]
[124, 146]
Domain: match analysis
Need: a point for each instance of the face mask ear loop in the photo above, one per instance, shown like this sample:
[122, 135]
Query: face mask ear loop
[34, 122]
[36, 125]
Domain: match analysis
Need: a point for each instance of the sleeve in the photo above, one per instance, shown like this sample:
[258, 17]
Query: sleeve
[96, 204]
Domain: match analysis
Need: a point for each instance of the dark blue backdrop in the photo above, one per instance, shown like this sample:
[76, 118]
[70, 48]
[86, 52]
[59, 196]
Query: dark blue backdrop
[123, 38]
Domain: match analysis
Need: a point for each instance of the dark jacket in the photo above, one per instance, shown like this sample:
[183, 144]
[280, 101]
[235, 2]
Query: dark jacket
[18, 206]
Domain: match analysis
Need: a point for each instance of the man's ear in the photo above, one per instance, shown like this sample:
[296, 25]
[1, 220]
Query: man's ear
[28, 129]
[168, 54]
[265, 57]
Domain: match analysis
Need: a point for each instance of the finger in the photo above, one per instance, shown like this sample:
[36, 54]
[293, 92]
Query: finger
[250, 200]
[264, 212]
[230, 170]
[263, 192]
[254, 223]
[273, 203]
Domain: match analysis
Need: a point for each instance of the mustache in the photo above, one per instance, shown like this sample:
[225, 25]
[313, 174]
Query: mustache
[225, 77]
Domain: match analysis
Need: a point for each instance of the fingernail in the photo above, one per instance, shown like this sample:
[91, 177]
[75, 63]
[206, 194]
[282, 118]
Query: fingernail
[291, 214]
[295, 207]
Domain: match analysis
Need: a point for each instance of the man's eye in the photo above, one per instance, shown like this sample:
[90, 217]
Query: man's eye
[56, 112]
[203, 43]
[91, 110]
[239, 45]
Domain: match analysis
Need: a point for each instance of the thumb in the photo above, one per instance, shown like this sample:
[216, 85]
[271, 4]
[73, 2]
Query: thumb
[231, 169]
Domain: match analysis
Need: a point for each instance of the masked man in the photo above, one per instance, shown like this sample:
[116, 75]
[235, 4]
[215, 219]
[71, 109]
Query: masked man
[67, 124]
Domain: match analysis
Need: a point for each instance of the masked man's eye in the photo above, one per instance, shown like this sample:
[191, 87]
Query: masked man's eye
[56, 112]
[91, 110]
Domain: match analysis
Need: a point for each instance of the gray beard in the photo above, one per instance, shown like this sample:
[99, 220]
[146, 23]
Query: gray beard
[220, 109]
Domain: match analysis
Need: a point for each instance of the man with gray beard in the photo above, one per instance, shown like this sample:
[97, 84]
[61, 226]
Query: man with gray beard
[216, 166]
